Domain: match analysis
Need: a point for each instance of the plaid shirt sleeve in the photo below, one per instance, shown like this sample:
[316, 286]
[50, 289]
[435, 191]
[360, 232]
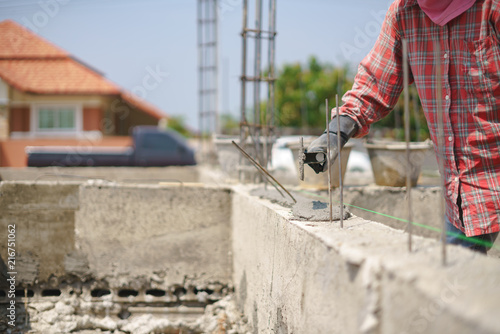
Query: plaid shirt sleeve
[470, 90]
[379, 80]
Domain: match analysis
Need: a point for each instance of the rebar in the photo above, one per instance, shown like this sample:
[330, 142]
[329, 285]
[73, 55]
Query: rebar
[407, 139]
[328, 158]
[208, 89]
[440, 144]
[256, 84]
[339, 157]
[263, 170]
[260, 129]
[243, 116]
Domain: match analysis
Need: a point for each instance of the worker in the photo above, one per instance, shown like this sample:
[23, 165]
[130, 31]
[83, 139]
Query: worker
[468, 34]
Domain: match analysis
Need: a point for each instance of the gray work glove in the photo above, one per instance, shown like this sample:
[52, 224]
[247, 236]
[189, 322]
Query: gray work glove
[348, 128]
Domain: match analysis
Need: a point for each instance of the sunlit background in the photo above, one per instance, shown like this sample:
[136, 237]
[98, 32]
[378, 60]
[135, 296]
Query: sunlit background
[127, 39]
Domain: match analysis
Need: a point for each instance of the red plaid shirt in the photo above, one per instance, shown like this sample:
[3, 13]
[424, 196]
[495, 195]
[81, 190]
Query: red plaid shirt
[470, 62]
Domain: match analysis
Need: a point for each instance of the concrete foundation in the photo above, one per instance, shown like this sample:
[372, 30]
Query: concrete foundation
[100, 255]
[44, 216]
[313, 277]
[105, 231]
[122, 257]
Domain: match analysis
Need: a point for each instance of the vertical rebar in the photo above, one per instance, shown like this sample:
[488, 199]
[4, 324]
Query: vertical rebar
[407, 139]
[270, 117]
[207, 122]
[260, 126]
[440, 140]
[216, 68]
[339, 157]
[200, 73]
[416, 112]
[208, 87]
[26, 306]
[257, 78]
[243, 118]
[328, 160]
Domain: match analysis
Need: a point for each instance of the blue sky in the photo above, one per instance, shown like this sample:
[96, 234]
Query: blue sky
[126, 39]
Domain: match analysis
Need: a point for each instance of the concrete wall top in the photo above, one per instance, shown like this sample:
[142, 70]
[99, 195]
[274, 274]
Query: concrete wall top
[313, 277]
[118, 174]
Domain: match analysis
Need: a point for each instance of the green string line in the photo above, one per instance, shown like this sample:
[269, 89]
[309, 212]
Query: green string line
[435, 229]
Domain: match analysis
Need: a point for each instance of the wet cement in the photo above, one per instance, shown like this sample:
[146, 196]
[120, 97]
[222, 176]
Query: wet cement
[306, 208]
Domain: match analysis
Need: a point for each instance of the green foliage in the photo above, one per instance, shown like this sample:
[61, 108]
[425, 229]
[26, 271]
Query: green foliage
[229, 124]
[301, 92]
[177, 123]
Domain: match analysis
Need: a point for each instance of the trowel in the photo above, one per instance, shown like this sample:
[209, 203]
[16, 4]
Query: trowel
[316, 160]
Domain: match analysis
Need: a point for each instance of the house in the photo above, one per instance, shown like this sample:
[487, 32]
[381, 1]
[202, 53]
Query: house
[49, 97]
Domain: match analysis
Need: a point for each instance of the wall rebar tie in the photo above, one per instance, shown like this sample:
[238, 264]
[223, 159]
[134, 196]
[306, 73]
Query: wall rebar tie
[264, 172]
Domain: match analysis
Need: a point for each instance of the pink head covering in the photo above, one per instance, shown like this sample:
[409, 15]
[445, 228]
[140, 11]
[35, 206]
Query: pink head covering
[443, 11]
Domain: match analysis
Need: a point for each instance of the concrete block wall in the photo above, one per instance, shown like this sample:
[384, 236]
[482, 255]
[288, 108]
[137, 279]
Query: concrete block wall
[289, 276]
[313, 277]
[169, 235]
[44, 216]
[181, 233]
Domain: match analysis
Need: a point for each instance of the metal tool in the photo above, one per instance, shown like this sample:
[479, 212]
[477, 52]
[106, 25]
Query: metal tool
[407, 138]
[301, 159]
[315, 160]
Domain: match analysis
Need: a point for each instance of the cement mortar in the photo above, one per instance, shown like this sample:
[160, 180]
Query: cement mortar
[305, 208]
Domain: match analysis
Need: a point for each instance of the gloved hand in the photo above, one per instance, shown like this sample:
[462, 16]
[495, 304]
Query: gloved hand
[348, 128]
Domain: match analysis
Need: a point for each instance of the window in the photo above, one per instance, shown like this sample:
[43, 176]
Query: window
[159, 142]
[56, 118]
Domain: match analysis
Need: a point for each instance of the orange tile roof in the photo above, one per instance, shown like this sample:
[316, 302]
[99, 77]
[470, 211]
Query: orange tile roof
[54, 76]
[18, 42]
[33, 65]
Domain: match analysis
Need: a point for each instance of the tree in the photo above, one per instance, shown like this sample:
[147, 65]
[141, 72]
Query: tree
[301, 92]
[229, 124]
[177, 123]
